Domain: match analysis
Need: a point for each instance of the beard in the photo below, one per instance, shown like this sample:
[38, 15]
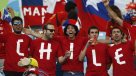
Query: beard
[17, 32]
[117, 40]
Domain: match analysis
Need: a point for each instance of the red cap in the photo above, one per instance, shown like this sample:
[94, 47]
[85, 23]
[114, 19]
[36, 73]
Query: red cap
[131, 6]
[69, 21]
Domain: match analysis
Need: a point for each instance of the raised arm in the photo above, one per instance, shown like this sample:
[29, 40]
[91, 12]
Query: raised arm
[112, 13]
[11, 11]
[83, 52]
[29, 31]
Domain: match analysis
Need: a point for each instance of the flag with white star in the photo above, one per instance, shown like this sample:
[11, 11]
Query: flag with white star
[6, 16]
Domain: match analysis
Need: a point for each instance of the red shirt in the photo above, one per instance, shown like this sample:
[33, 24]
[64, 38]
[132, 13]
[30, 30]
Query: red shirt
[122, 59]
[99, 53]
[16, 47]
[131, 30]
[72, 63]
[46, 53]
[5, 28]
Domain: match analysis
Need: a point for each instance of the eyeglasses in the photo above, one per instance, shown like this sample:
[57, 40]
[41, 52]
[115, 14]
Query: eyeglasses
[51, 30]
[17, 23]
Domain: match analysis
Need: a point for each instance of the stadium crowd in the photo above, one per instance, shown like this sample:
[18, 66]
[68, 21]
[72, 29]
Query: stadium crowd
[63, 45]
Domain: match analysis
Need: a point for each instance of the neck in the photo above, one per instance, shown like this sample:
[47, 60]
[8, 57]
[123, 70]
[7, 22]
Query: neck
[17, 33]
[117, 42]
[71, 38]
[44, 38]
[94, 43]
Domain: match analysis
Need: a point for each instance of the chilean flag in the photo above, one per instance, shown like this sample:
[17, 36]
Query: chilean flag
[37, 12]
[93, 12]
[97, 12]
[6, 16]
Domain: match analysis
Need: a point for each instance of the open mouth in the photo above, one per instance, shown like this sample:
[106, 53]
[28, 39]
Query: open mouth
[70, 33]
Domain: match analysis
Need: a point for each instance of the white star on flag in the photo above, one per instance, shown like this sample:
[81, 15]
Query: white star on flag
[93, 3]
[6, 16]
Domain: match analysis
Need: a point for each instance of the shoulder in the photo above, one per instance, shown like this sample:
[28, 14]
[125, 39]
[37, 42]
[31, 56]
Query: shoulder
[37, 40]
[81, 38]
[25, 36]
[104, 45]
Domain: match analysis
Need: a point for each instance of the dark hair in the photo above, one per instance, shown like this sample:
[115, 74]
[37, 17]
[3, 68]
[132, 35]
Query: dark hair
[16, 18]
[92, 27]
[119, 29]
[117, 11]
[69, 6]
[75, 27]
[72, 15]
[46, 26]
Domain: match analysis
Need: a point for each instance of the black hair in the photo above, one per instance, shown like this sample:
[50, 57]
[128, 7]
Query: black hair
[72, 15]
[93, 27]
[69, 6]
[16, 18]
[75, 27]
[46, 26]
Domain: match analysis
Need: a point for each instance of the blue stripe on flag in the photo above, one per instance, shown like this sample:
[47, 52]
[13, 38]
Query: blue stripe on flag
[111, 2]
[32, 2]
[102, 12]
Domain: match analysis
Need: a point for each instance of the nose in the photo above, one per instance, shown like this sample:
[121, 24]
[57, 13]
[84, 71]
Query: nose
[70, 29]
[94, 34]
[116, 34]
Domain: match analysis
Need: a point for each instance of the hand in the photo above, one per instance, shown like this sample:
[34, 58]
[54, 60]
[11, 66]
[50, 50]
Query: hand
[67, 54]
[124, 40]
[28, 30]
[106, 2]
[10, 10]
[91, 41]
[24, 62]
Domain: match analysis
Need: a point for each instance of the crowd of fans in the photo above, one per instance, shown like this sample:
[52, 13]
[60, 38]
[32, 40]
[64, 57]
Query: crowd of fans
[61, 48]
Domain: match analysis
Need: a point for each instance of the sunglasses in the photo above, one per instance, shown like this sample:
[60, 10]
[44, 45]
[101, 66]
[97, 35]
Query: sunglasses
[17, 23]
[51, 30]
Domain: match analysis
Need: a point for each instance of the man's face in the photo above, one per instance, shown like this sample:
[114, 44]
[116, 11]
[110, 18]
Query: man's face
[93, 33]
[116, 35]
[71, 31]
[17, 26]
[133, 12]
[49, 32]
